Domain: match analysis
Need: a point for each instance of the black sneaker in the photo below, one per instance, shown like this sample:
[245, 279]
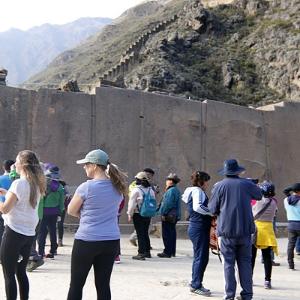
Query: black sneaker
[201, 291]
[32, 265]
[163, 255]
[50, 255]
[147, 255]
[139, 257]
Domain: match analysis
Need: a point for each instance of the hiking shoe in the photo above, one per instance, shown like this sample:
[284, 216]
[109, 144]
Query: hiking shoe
[60, 243]
[202, 291]
[275, 264]
[163, 255]
[267, 285]
[50, 255]
[133, 242]
[32, 265]
[139, 257]
[117, 260]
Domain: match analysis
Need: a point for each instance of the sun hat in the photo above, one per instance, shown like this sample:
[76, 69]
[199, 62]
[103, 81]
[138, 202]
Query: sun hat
[295, 187]
[98, 157]
[174, 177]
[51, 171]
[231, 167]
[141, 176]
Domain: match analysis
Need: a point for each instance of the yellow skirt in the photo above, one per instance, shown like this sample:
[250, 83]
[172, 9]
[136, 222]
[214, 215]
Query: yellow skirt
[266, 236]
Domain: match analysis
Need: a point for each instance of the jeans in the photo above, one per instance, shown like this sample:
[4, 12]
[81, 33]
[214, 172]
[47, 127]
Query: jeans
[1, 228]
[292, 235]
[298, 245]
[267, 261]
[169, 237]
[141, 225]
[48, 223]
[101, 255]
[199, 235]
[237, 250]
[15, 246]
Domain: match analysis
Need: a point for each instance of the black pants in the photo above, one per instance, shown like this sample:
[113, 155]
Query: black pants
[13, 246]
[169, 237]
[60, 225]
[141, 225]
[292, 235]
[48, 224]
[101, 255]
[1, 227]
[267, 259]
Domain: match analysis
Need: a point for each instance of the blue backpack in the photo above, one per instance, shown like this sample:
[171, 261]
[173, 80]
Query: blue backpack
[148, 207]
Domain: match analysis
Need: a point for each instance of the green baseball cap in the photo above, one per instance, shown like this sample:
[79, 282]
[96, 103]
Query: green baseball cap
[97, 156]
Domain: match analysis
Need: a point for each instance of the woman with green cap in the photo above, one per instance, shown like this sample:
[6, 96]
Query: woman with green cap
[97, 240]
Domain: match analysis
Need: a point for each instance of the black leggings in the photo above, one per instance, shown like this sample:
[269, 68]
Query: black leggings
[101, 255]
[13, 246]
[267, 258]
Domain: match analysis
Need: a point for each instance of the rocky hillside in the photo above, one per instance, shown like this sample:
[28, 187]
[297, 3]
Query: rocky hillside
[24, 53]
[246, 52]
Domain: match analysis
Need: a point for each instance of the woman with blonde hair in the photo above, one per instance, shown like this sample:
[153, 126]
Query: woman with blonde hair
[97, 240]
[21, 218]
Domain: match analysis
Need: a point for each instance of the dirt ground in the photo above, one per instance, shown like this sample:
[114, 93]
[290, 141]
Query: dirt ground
[157, 278]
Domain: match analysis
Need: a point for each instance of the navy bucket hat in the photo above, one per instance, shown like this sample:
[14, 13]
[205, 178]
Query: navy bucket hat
[231, 167]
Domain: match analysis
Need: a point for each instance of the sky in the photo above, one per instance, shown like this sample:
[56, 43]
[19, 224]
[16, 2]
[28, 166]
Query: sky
[24, 14]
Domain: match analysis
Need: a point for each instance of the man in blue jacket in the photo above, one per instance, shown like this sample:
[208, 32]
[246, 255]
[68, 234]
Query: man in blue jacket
[231, 203]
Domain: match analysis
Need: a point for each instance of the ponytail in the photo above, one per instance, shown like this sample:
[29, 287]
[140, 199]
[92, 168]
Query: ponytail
[117, 177]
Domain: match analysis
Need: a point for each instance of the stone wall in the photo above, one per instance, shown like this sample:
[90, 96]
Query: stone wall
[141, 129]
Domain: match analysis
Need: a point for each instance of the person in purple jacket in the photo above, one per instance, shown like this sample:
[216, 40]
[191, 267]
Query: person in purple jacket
[231, 203]
[97, 240]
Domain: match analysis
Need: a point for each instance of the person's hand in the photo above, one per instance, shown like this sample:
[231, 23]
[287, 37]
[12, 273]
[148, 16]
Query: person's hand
[129, 218]
[3, 192]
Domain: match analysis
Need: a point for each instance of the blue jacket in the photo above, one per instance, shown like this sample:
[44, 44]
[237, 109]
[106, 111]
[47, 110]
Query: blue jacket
[5, 183]
[231, 202]
[171, 199]
[292, 207]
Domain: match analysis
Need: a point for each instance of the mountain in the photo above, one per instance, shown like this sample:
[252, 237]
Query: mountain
[244, 52]
[24, 53]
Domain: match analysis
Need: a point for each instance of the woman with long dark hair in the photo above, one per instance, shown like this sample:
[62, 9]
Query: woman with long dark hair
[199, 228]
[21, 218]
[97, 240]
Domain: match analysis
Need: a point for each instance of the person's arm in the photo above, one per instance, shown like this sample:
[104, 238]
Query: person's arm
[256, 193]
[214, 203]
[198, 200]
[169, 202]
[132, 203]
[75, 206]
[10, 201]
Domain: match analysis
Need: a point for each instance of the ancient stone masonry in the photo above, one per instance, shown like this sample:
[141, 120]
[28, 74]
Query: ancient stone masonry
[140, 129]
[3, 74]
[71, 86]
[130, 57]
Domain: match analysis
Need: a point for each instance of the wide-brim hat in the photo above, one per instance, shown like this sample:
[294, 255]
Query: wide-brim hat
[98, 157]
[231, 167]
[173, 177]
[295, 187]
[141, 176]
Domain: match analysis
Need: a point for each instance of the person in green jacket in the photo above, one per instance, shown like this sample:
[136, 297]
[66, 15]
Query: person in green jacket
[51, 207]
[170, 213]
